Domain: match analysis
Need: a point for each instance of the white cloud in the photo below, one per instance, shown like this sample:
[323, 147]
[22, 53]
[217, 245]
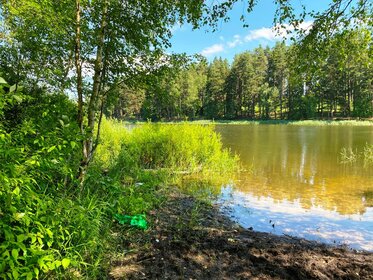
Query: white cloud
[276, 33]
[262, 33]
[236, 41]
[177, 27]
[217, 48]
[174, 28]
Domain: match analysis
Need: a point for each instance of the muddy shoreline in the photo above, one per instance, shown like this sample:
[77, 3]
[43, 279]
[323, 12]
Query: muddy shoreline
[190, 239]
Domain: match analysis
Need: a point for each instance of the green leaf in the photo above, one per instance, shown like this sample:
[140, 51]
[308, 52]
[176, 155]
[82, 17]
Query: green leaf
[2, 81]
[16, 191]
[17, 98]
[73, 144]
[23, 247]
[21, 238]
[36, 270]
[49, 232]
[65, 263]
[12, 88]
[15, 254]
[51, 149]
[58, 264]
[51, 265]
[5, 255]
[2, 267]
[15, 274]
[29, 276]
[18, 216]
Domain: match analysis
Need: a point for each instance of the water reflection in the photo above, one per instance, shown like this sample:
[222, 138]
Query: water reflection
[291, 218]
[289, 163]
[298, 170]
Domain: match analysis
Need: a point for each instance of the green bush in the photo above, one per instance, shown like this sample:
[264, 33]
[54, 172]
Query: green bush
[40, 219]
[182, 147]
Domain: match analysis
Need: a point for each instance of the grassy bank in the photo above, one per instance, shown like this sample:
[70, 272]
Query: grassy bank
[52, 227]
[279, 122]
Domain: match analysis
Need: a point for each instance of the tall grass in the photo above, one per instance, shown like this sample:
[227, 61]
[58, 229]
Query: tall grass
[368, 154]
[349, 156]
[113, 135]
[178, 148]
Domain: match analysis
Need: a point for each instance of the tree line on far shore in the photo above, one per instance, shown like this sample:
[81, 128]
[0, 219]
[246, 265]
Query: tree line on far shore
[333, 79]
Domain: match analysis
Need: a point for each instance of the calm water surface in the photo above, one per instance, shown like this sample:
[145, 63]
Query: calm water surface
[295, 183]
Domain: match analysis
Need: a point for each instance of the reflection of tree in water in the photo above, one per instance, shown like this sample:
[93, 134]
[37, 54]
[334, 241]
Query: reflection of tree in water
[326, 193]
[302, 163]
[367, 197]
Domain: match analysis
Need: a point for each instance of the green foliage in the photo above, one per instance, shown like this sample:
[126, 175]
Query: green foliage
[271, 83]
[304, 107]
[177, 147]
[140, 160]
[176, 91]
[363, 106]
[213, 105]
[29, 153]
[114, 134]
[51, 227]
[45, 229]
[49, 41]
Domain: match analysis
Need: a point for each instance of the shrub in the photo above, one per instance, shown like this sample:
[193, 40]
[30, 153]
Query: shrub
[38, 161]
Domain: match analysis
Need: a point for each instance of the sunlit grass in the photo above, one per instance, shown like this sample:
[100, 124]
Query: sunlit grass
[149, 156]
[183, 147]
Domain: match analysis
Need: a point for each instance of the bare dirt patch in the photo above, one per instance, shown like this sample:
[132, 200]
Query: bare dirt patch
[191, 240]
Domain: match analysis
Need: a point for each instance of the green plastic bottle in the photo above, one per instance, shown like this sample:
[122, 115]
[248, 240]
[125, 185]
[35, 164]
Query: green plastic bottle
[138, 221]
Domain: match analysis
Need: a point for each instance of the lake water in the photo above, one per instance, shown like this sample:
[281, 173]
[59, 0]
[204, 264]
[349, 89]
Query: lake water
[296, 184]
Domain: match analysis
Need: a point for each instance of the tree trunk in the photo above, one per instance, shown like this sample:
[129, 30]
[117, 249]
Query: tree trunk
[79, 88]
[281, 92]
[94, 100]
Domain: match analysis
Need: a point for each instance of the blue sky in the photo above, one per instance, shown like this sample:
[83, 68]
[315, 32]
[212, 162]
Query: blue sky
[231, 38]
